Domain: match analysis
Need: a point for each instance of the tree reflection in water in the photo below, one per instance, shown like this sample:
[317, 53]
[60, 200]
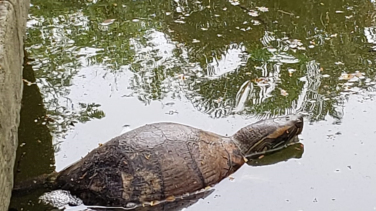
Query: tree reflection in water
[250, 58]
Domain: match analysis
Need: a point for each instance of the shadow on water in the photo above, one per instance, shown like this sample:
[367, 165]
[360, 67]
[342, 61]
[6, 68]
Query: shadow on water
[293, 151]
[35, 153]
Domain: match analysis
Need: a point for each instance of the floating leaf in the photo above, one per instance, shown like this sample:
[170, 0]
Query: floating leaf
[263, 9]
[345, 76]
[284, 92]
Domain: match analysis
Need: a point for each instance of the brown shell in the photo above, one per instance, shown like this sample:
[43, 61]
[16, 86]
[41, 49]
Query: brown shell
[164, 160]
[150, 163]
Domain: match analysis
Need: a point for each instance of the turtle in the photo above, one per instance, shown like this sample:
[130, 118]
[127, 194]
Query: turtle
[162, 161]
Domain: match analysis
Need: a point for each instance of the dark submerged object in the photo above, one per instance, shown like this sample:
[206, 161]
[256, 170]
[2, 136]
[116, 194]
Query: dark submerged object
[163, 161]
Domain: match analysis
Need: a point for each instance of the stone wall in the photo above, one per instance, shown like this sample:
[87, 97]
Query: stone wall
[13, 15]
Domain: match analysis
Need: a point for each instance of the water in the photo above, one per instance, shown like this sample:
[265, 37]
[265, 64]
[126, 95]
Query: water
[105, 67]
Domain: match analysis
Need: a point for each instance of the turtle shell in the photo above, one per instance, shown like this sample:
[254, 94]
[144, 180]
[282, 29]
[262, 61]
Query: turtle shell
[153, 162]
[164, 160]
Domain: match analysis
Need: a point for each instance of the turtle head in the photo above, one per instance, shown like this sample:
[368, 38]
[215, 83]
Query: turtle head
[268, 135]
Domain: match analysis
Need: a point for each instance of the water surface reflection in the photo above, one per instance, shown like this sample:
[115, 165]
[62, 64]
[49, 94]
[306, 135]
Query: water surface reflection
[217, 65]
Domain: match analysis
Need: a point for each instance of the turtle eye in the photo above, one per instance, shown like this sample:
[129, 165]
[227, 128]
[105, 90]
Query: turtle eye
[299, 123]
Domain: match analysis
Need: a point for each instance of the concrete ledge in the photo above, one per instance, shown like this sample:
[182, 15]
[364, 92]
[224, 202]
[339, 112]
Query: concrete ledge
[13, 15]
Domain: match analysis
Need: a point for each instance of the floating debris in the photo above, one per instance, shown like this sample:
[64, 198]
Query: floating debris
[287, 13]
[172, 112]
[301, 48]
[256, 22]
[293, 46]
[263, 9]
[352, 77]
[179, 21]
[28, 83]
[262, 81]
[234, 2]
[253, 13]
[339, 63]
[108, 22]
[284, 92]
[295, 43]
[291, 71]
[169, 104]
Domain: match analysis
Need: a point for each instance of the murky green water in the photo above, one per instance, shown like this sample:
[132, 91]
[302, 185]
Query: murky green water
[103, 67]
